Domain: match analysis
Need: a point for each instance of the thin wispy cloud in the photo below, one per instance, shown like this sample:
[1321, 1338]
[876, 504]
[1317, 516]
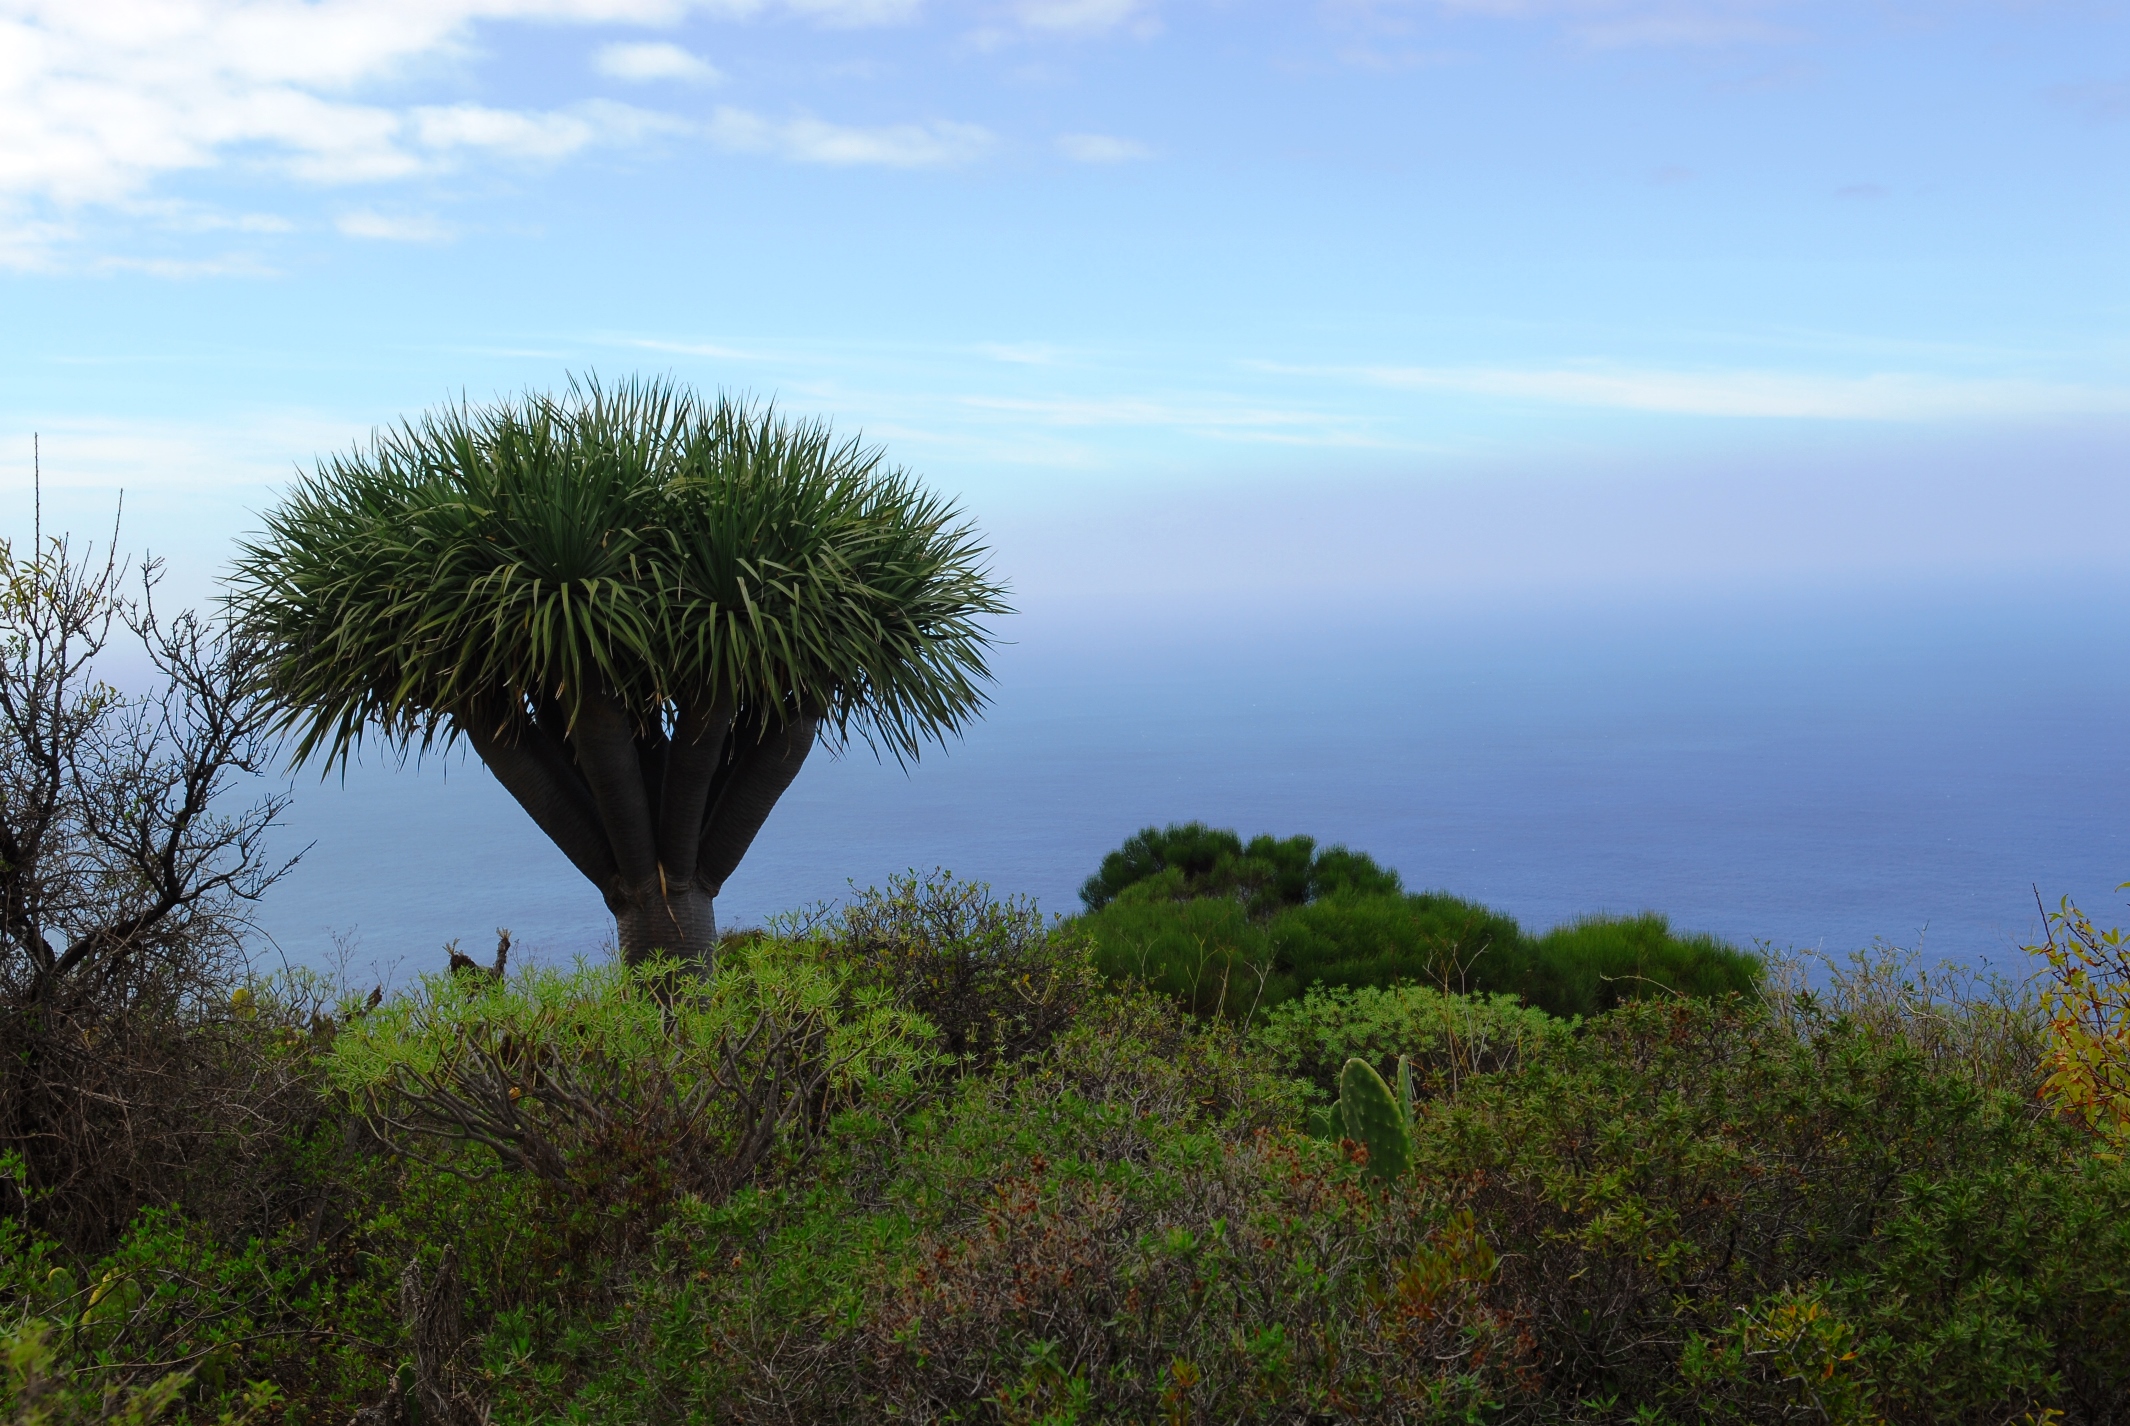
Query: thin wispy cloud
[116, 453]
[1218, 417]
[1101, 148]
[651, 61]
[806, 139]
[698, 349]
[1753, 394]
[393, 228]
[857, 14]
[1085, 17]
[1634, 23]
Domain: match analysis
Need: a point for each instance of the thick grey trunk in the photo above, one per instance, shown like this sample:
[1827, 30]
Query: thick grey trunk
[656, 824]
[761, 770]
[678, 923]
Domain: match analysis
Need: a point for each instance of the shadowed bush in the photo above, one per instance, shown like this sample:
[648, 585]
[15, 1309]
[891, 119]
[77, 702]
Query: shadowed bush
[1597, 962]
[1431, 938]
[1187, 860]
[988, 974]
[1235, 929]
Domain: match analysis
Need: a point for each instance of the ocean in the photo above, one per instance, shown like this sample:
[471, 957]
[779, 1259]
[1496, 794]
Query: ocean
[1811, 768]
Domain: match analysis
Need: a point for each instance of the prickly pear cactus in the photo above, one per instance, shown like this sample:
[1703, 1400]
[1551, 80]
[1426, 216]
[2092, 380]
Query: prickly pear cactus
[1374, 1117]
[1324, 1123]
[1405, 1089]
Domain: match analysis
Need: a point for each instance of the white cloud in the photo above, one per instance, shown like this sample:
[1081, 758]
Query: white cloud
[1101, 148]
[1890, 396]
[853, 14]
[1627, 23]
[1079, 16]
[698, 349]
[654, 60]
[809, 140]
[539, 136]
[102, 100]
[1214, 416]
[386, 227]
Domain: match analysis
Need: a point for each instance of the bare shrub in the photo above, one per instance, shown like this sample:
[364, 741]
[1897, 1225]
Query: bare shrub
[128, 862]
[1975, 1024]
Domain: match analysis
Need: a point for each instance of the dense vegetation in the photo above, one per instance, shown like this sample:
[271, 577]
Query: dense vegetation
[920, 1160]
[1238, 929]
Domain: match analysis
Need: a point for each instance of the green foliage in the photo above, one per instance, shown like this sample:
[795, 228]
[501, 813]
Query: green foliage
[619, 1086]
[1598, 962]
[1834, 1204]
[1236, 930]
[1190, 860]
[1214, 956]
[633, 542]
[36, 1389]
[1431, 938]
[1707, 1208]
[1117, 1229]
[1208, 952]
[990, 975]
[1373, 1117]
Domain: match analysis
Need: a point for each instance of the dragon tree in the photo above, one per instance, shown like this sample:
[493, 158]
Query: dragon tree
[639, 607]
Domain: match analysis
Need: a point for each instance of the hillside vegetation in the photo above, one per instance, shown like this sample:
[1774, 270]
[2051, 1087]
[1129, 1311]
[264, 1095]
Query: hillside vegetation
[923, 1160]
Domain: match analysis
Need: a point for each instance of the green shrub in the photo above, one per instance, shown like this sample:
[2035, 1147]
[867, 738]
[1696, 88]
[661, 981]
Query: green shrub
[1703, 1212]
[618, 1087]
[1195, 860]
[1433, 939]
[1208, 953]
[1217, 958]
[1448, 1038]
[1118, 1229]
[989, 975]
[1598, 962]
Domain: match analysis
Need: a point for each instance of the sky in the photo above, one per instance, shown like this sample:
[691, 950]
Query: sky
[1763, 284]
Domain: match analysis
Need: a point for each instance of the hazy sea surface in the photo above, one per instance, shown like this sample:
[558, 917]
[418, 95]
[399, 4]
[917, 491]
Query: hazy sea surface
[1817, 769]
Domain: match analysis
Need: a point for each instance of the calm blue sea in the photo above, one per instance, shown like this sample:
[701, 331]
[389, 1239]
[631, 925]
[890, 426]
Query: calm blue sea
[1817, 769]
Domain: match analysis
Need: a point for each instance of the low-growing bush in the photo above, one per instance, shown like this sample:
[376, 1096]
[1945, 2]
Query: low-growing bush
[2086, 1001]
[768, 1196]
[990, 975]
[1208, 953]
[1432, 938]
[1708, 1216]
[1446, 1038]
[1597, 962]
[618, 1087]
[1216, 958]
[1121, 1228]
[1234, 930]
[1968, 1023]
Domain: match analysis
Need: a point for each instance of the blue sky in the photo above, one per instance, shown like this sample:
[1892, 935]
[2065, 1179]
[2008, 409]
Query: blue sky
[1327, 292]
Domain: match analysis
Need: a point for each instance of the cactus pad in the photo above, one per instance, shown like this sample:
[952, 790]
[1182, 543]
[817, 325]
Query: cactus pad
[1373, 1117]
